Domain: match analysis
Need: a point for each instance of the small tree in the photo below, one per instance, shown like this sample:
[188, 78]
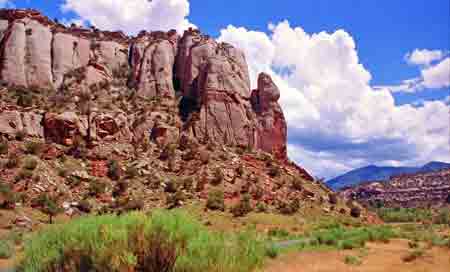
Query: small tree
[216, 200]
[49, 206]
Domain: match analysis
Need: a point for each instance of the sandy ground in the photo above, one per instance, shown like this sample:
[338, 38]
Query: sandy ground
[378, 258]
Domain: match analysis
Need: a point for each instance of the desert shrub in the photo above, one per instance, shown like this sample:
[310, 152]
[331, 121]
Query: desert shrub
[96, 187]
[443, 217]
[289, 207]
[352, 260]
[190, 154]
[413, 255]
[272, 251]
[114, 170]
[403, 215]
[121, 188]
[30, 163]
[218, 177]
[172, 186]
[188, 183]
[243, 207]
[297, 184]
[4, 146]
[24, 174]
[240, 170]
[33, 148]
[333, 199]
[131, 172]
[274, 171]
[175, 200]
[8, 197]
[216, 200]
[25, 99]
[20, 135]
[278, 233]
[163, 241]
[261, 207]
[48, 205]
[355, 212]
[13, 161]
[6, 249]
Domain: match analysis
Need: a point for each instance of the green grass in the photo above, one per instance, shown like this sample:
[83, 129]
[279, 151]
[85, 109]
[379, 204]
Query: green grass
[6, 249]
[347, 238]
[404, 215]
[114, 243]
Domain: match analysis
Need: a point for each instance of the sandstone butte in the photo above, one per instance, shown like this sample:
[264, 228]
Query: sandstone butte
[213, 79]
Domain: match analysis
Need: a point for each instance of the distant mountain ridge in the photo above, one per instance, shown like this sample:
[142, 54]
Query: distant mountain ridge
[380, 173]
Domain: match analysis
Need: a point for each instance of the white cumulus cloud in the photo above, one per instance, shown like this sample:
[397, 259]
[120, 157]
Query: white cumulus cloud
[336, 119]
[437, 76]
[423, 56]
[132, 16]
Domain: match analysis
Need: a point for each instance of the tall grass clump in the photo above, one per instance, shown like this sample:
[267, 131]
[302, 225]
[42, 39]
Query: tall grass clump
[164, 241]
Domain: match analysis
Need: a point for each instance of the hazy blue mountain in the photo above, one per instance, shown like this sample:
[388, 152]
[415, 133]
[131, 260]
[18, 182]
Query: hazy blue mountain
[378, 173]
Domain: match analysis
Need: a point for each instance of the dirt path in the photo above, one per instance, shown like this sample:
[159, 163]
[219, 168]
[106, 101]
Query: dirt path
[378, 258]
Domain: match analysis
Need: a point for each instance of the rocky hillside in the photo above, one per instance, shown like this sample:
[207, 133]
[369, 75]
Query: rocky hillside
[413, 190]
[98, 120]
[380, 173]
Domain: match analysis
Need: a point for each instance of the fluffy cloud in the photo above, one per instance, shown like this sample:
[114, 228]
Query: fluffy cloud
[336, 119]
[132, 16]
[437, 76]
[432, 77]
[423, 56]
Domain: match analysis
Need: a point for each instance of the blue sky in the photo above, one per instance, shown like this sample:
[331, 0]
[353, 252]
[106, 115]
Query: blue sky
[383, 33]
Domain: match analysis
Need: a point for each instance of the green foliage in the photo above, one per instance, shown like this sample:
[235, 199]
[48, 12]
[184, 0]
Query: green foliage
[352, 260]
[278, 233]
[403, 215]
[6, 249]
[243, 207]
[114, 170]
[96, 187]
[4, 146]
[131, 172]
[261, 207]
[8, 197]
[274, 171]
[24, 174]
[218, 177]
[30, 163]
[443, 217]
[13, 161]
[216, 200]
[33, 148]
[272, 251]
[49, 206]
[163, 241]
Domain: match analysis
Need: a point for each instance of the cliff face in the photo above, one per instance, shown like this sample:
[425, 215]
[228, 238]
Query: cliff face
[416, 190]
[212, 79]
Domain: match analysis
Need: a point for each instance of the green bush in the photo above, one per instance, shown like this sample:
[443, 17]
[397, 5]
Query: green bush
[352, 260]
[4, 147]
[13, 161]
[443, 217]
[218, 177]
[272, 252]
[404, 215]
[163, 241]
[6, 249]
[30, 164]
[96, 188]
[215, 200]
[243, 207]
[114, 170]
[33, 148]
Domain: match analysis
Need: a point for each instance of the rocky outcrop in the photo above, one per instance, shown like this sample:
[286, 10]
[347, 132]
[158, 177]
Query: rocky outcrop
[271, 127]
[217, 102]
[414, 190]
[13, 122]
[152, 59]
[215, 76]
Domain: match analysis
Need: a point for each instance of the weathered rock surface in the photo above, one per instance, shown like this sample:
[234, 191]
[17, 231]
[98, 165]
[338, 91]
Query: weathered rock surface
[212, 76]
[272, 128]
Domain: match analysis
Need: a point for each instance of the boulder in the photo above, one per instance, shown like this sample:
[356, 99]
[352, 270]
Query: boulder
[111, 126]
[62, 128]
[32, 124]
[10, 122]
